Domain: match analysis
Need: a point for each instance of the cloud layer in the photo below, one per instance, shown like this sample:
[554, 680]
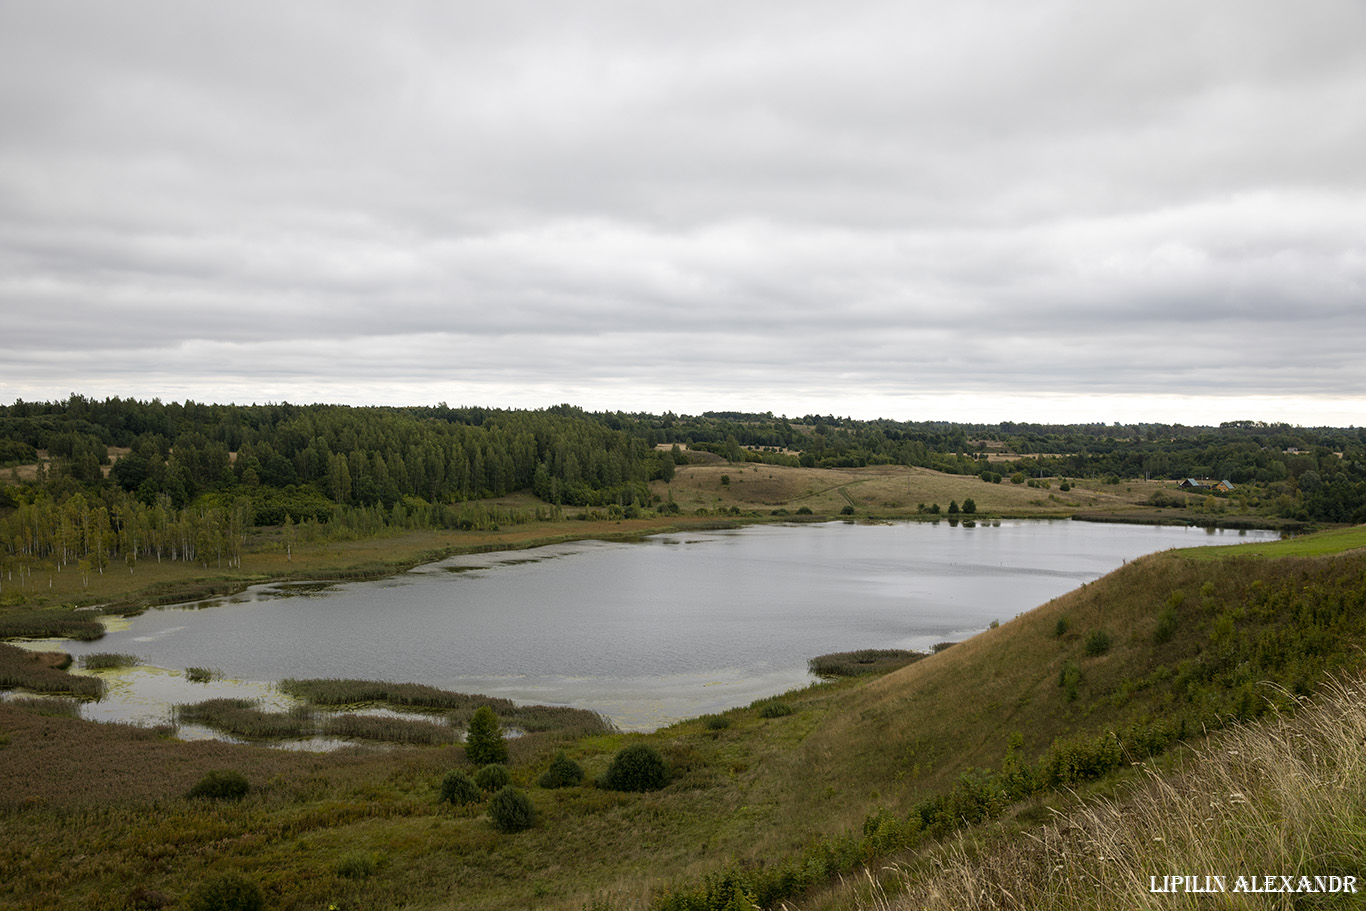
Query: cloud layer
[917, 210]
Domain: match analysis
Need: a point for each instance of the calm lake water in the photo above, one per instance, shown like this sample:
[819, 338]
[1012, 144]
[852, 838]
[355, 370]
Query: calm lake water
[646, 632]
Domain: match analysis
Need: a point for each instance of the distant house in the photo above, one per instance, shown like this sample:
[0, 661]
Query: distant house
[1191, 484]
[1224, 486]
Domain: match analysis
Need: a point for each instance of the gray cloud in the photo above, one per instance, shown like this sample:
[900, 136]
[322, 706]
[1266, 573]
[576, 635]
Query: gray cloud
[796, 205]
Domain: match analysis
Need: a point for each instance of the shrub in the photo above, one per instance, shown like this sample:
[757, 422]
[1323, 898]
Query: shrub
[1062, 626]
[493, 777]
[717, 722]
[221, 785]
[803, 510]
[1070, 679]
[969, 506]
[563, 773]
[1166, 627]
[847, 511]
[1079, 759]
[459, 788]
[510, 810]
[1098, 643]
[484, 738]
[638, 767]
[774, 710]
[225, 893]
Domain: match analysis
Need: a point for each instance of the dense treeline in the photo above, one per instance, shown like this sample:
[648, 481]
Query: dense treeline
[1314, 474]
[185, 467]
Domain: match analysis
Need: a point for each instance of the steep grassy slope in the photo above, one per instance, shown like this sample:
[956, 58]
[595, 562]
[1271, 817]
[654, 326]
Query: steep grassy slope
[1190, 642]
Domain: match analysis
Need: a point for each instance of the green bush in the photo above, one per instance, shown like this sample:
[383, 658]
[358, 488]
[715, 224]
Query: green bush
[563, 773]
[1166, 627]
[459, 788]
[1098, 643]
[221, 785]
[638, 767]
[847, 511]
[717, 722]
[1069, 679]
[511, 811]
[225, 893]
[1062, 626]
[493, 777]
[1079, 759]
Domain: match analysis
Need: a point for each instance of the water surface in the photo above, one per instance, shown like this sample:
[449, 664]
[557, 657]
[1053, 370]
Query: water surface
[673, 626]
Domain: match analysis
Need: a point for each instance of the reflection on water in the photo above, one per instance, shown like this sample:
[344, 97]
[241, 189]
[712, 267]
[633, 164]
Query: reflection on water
[644, 632]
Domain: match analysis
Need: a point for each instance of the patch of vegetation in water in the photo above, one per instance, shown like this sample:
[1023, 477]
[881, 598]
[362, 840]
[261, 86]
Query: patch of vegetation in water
[338, 692]
[48, 624]
[388, 730]
[863, 661]
[244, 718]
[38, 671]
[100, 661]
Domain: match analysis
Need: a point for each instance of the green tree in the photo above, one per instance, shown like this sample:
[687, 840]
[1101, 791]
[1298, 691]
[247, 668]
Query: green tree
[969, 506]
[484, 742]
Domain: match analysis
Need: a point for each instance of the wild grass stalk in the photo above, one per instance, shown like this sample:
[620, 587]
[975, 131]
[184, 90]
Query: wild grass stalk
[1281, 797]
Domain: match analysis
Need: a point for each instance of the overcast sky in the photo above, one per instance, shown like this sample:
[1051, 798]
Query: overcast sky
[1054, 211]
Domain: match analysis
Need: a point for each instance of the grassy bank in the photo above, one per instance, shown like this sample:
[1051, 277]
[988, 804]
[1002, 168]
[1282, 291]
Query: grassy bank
[1190, 644]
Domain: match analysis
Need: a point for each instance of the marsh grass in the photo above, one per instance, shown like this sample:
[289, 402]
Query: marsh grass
[863, 661]
[48, 624]
[202, 674]
[388, 730]
[36, 671]
[244, 718]
[459, 707]
[47, 705]
[99, 661]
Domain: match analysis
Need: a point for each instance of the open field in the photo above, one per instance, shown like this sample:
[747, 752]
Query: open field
[1190, 645]
[886, 490]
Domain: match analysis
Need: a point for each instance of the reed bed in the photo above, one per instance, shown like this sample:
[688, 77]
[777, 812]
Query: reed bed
[863, 661]
[48, 705]
[48, 624]
[34, 671]
[459, 706]
[388, 730]
[243, 718]
[336, 692]
[1285, 797]
[99, 661]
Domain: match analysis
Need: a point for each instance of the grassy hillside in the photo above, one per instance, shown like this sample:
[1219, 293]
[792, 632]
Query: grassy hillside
[762, 798]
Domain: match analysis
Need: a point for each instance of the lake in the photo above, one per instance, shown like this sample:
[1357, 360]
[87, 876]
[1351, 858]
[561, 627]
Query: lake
[645, 632]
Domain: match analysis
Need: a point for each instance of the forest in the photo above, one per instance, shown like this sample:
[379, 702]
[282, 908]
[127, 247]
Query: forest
[96, 482]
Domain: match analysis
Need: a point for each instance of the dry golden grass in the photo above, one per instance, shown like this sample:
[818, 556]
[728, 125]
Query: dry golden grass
[885, 490]
[1282, 798]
